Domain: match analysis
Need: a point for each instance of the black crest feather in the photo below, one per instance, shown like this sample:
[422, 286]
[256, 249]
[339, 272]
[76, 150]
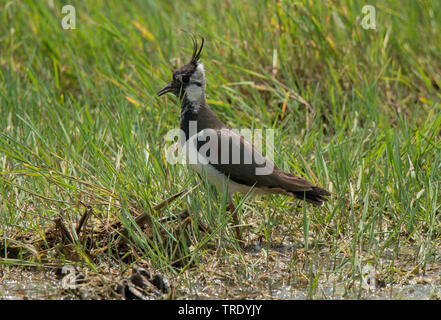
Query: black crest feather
[196, 50]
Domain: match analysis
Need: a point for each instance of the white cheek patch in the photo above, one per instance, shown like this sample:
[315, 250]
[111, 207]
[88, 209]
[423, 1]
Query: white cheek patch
[199, 74]
[194, 93]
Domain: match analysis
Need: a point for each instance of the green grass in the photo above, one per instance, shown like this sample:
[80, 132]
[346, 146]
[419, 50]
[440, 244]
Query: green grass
[79, 121]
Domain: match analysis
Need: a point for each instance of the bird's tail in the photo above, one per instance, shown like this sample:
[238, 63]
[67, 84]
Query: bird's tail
[302, 189]
[316, 196]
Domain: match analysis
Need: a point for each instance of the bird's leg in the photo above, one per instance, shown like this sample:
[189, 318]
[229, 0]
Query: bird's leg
[235, 218]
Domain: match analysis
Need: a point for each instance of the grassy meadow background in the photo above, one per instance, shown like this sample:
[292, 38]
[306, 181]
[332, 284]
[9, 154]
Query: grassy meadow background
[356, 111]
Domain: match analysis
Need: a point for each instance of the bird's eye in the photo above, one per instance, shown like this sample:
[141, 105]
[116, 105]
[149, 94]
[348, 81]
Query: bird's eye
[185, 79]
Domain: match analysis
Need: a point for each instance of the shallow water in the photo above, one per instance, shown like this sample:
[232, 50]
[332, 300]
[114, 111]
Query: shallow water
[32, 286]
[393, 292]
[20, 285]
[419, 287]
[24, 283]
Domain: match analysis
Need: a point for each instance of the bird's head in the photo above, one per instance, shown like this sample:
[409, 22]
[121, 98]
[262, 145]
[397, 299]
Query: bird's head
[188, 80]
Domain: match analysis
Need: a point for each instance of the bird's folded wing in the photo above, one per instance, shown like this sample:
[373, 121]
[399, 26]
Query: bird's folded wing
[229, 153]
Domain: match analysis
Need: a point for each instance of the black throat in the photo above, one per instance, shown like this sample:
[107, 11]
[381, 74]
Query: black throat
[189, 113]
[200, 116]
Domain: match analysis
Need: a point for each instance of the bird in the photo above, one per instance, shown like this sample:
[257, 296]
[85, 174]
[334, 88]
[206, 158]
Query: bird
[221, 154]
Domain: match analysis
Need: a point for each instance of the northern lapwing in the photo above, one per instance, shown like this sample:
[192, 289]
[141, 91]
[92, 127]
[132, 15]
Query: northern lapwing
[224, 156]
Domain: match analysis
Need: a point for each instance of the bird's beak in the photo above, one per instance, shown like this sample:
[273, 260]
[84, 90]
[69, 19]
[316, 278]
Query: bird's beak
[166, 89]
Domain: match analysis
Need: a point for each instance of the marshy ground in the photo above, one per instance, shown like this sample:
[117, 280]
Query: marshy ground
[90, 208]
